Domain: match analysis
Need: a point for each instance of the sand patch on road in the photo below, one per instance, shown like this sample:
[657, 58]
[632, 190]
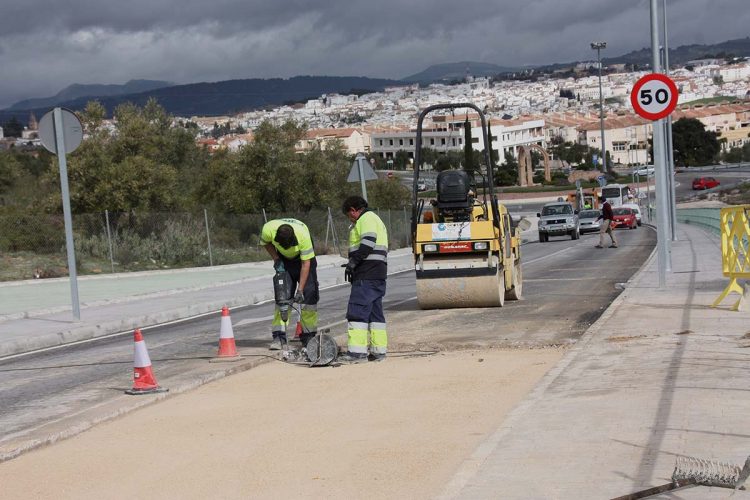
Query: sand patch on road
[396, 429]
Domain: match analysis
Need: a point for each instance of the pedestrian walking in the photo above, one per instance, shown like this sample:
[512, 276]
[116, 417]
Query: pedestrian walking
[366, 271]
[290, 245]
[606, 225]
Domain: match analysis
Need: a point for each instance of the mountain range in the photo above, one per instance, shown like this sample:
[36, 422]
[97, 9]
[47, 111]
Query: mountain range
[232, 96]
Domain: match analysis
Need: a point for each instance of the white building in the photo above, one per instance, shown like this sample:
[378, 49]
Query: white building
[508, 135]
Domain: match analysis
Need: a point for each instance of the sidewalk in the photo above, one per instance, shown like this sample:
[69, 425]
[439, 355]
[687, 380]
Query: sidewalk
[37, 314]
[660, 374]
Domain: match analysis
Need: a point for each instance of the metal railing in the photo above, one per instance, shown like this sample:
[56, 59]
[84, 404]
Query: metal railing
[707, 218]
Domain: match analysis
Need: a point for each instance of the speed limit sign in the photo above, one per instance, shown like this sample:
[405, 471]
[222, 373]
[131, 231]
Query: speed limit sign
[654, 96]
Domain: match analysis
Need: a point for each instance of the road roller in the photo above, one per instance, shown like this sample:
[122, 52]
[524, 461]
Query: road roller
[467, 248]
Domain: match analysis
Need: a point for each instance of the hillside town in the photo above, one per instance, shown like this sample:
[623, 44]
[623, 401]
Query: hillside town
[521, 112]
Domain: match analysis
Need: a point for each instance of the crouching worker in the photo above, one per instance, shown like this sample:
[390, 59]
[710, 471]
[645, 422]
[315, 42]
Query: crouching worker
[290, 245]
[366, 270]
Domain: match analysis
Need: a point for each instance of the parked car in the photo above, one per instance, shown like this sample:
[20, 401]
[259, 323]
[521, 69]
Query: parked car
[645, 170]
[558, 219]
[588, 220]
[705, 183]
[624, 217]
[635, 208]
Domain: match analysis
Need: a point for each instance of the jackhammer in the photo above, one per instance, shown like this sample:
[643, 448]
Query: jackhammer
[322, 349]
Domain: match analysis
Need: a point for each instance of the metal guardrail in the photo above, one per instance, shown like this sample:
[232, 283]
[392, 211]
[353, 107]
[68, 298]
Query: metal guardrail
[707, 218]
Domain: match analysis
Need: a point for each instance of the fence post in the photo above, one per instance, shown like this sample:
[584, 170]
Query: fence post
[328, 226]
[208, 237]
[109, 241]
[333, 230]
[390, 228]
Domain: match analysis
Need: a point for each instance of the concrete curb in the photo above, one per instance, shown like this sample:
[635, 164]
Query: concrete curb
[89, 332]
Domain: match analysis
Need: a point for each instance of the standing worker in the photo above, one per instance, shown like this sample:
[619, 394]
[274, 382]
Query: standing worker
[606, 224]
[366, 270]
[290, 245]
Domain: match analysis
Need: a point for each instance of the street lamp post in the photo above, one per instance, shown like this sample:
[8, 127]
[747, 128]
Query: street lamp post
[598, 46]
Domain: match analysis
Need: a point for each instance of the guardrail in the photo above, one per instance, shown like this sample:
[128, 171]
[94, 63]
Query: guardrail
[707, 218]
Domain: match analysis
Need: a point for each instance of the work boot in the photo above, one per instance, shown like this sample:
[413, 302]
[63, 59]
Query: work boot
[613, 246]
[275, 345]
[375, 357]
[352, 358]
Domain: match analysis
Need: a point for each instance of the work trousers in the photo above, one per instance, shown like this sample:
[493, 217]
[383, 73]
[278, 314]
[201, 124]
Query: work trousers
[365, 313]
[308, 308]
[606, 227]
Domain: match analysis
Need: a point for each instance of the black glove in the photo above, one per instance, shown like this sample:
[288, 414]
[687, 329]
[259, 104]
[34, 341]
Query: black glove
[299, 297]
[348, 272]
[278, 266]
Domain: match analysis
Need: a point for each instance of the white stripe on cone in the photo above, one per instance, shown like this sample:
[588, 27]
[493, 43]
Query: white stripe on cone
[141, 359]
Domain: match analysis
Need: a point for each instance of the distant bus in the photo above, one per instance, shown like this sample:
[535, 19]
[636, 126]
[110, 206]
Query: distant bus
[616, 194]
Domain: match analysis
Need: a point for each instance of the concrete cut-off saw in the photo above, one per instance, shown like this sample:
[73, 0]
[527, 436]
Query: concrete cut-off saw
[321, 350]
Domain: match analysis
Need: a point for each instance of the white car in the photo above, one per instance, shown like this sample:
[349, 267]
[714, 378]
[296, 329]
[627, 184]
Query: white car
[635, 209]
[645, 170]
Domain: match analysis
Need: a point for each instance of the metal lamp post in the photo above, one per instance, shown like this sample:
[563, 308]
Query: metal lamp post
[598, 46]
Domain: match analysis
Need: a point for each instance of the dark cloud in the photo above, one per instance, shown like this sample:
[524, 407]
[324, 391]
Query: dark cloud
[46, 45]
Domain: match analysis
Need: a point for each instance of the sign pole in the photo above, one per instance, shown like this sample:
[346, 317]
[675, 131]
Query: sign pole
[360, 159]
[69, 246]
[662, 198]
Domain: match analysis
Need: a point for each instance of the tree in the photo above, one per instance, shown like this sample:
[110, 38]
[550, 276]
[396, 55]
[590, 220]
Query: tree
[693, 144]
[468, 149]
[507, 173]
[401, 159]
[10, 170]
[136, 168]
[494, 154]
[388, 194]
[737, 154]
[12, 128]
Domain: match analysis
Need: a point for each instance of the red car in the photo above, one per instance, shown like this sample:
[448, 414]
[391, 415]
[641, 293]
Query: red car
[705, 183]
[624, 217]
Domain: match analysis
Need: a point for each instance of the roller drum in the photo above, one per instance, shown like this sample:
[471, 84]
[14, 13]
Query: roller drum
[461, 291]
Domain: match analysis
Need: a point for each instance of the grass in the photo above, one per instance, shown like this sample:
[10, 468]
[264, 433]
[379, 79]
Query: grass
[713, 100]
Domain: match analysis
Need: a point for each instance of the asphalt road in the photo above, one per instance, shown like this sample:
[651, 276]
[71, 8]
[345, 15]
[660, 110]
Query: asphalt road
[567, 285]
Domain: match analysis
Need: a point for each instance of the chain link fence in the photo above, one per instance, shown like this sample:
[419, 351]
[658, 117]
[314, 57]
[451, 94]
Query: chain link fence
[33, 245]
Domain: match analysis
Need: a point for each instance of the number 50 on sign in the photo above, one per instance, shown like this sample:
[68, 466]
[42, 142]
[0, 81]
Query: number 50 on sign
[654, 96]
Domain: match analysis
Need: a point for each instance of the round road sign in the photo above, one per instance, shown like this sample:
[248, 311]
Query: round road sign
[654, 96]
[71, 128]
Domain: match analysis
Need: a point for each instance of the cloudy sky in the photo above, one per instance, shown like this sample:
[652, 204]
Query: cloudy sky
[46, 45]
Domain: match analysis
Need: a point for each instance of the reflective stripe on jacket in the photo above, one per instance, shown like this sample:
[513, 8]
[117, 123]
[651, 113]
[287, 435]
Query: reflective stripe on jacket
[368, 247]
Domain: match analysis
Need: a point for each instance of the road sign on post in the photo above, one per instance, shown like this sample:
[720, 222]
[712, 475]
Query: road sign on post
[61, 132]
[654, 96]
[361, 171]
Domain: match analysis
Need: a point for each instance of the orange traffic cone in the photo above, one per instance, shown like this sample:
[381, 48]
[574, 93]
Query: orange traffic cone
[144, 381]
[227, 347]
[298, 331]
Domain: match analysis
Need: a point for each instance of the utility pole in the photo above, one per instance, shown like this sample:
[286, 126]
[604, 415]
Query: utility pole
[598, 46]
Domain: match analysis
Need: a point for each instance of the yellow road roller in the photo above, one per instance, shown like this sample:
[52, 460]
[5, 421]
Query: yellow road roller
[467, 250]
